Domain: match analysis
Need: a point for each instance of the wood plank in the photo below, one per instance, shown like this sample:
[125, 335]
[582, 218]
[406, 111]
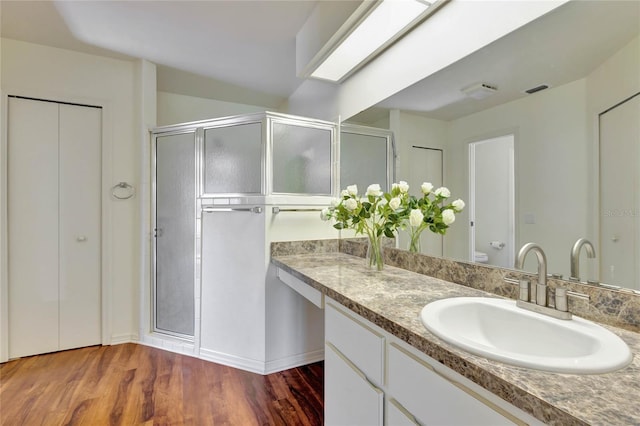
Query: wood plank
[132, 384]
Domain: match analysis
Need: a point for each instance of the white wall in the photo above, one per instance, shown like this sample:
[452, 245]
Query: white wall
[147, 109]
[4, 299]
[315, 99]
[50, 73]
[174, 108]
[613, 81]
[411, 129]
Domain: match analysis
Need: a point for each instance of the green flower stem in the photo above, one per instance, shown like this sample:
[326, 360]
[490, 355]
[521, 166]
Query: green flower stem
[415, 231]
[414, 244]
[371, 227]
[375, 253]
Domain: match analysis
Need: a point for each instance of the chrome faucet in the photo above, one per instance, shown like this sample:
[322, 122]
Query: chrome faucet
[575, 256]
[533, 297]
[539, 291]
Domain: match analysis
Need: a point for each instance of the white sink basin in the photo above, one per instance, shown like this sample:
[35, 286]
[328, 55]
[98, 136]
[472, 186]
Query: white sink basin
[498, 330]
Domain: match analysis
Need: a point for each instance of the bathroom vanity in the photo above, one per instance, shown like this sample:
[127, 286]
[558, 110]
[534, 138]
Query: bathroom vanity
[382, 366]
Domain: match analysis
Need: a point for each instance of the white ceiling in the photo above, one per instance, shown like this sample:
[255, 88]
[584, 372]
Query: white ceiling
[563, 46]
[244, 50]
[39, 22]
[243, 44]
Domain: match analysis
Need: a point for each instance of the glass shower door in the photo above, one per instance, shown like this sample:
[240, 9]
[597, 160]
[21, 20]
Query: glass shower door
[175, 233]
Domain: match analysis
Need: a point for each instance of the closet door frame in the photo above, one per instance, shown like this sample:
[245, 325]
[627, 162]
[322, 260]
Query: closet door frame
[106, 208]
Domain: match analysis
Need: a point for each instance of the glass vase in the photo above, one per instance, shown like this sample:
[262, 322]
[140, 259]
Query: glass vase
[374, 258]
[414, 241]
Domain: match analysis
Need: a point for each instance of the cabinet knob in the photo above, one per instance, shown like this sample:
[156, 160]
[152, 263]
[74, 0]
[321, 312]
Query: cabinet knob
[81, 238]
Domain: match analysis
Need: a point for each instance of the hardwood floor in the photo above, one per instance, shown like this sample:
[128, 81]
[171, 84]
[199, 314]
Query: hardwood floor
[132, 384]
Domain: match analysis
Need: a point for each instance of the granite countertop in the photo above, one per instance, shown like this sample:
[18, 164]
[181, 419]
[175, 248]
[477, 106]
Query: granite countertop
[393, 299]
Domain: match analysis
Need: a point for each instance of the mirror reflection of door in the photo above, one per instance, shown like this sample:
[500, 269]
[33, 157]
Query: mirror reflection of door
[619, 194]
[425, 166]
[491, 199]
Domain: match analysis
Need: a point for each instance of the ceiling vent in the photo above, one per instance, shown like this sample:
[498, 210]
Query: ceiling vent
[537, 89]
[479, 90]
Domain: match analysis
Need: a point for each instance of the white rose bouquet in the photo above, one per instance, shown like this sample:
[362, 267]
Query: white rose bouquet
[375, 215]
[431, 211]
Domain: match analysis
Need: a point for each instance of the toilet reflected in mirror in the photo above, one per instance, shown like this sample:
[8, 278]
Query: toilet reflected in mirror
[480, 257]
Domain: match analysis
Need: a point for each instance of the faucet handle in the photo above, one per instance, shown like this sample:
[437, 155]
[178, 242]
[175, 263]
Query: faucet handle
[525, 285]
[561, 299]
[541, 294]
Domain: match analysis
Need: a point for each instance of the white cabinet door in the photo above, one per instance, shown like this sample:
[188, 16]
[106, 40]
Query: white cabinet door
[349, 399]
[54, 193]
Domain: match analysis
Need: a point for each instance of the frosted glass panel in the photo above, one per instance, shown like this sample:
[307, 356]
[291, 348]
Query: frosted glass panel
[363, 161]
[233, 159]
[175, 241]
[301, 160]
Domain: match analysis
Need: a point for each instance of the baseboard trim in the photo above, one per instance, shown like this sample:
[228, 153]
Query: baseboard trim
[242, 363]
[119, 339]
[294, 361]
[261, 367]
[169, 344]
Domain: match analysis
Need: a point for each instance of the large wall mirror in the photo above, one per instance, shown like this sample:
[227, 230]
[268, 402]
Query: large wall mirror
[575, 145]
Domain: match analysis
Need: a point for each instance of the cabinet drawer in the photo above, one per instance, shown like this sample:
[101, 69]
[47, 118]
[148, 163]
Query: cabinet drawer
[360, 344]
[435, 399]
[350, 399]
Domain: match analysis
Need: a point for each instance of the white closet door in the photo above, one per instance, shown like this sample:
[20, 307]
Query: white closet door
[33, 227]
[54, 226]
[80, 136]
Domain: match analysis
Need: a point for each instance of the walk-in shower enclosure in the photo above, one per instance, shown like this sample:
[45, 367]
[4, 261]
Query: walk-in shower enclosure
[223, 190]
[233, 162]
